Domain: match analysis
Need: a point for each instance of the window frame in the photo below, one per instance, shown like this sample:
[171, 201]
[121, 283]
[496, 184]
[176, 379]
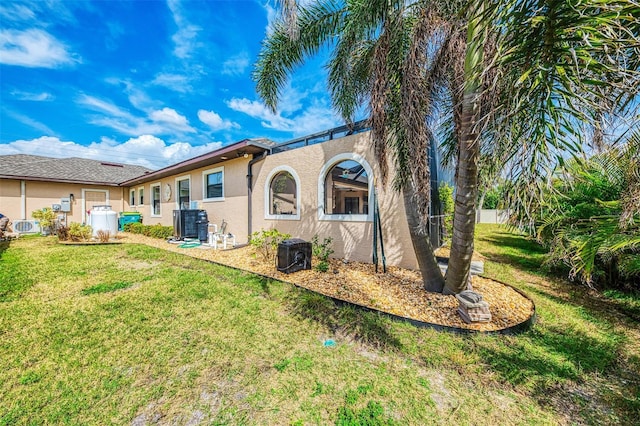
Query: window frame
[326, 168]
[141, 196]
[205, 174]
[159, 186]
[177, 191]
[267, 192]
[132, 197]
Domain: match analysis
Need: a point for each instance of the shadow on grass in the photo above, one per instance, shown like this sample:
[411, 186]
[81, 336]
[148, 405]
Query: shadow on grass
[368, 327]
[519, 252]
[4, 245]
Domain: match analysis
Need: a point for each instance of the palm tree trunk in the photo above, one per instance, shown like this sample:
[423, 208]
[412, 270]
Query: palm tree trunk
[464, 217]
[432, 279]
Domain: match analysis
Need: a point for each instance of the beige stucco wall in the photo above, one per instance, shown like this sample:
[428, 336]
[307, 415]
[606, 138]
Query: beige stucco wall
[233, 209]
[43, 194]
[351, 240]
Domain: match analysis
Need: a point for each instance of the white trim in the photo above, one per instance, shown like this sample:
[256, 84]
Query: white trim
[85, 217]
[141, 188]
[204, 184]
[23, 200]
[267, 190]
[151, 186]
[177, 190]
[132, 191]
[321, 192]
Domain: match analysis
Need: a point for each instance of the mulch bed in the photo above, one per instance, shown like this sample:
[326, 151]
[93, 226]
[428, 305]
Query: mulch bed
[398, 291]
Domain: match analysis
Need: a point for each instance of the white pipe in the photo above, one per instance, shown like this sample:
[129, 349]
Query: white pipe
[23, 199]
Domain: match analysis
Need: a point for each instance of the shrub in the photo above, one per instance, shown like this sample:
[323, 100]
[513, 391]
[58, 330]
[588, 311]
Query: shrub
[322, 250]
[63, 233]
[47, 218]
[266, 242]
[79, 232]
[103, 236]
[155, 231]
[445, 192]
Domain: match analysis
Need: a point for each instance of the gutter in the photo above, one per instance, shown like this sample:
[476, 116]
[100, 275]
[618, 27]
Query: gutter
[253, 161]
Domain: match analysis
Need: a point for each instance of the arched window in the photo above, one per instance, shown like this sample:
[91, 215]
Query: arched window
[282, 194]
[345, 189]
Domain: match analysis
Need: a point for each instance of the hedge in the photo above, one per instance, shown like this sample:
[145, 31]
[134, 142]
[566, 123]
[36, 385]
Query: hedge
[155, 231]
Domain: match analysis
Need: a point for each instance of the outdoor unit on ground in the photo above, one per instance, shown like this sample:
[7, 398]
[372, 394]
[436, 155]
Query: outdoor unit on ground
[294, 255]
[185, 223]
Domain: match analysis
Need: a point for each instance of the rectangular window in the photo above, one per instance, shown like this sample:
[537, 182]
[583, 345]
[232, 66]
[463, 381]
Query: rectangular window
[155, 200]
[213, 184]
[141, 196]
[184, 194]
[132, 198]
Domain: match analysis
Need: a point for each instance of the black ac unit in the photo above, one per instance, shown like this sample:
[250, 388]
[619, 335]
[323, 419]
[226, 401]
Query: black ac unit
[294, 255]
[185, 224]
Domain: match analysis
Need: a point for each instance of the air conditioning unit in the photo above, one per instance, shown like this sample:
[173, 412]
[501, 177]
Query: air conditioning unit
[294, 255]
[26, 226]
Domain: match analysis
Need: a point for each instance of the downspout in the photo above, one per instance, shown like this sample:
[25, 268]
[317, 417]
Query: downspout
[23, 199]
[250, 191]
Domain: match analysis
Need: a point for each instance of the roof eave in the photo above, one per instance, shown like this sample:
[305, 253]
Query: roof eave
[245, 146]
[48, 179]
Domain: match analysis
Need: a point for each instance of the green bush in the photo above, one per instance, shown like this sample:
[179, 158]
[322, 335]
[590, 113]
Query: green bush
[445, 192]
[47, 219]
[322, 250]
[78, 232]
[266, 242]
[155, 231]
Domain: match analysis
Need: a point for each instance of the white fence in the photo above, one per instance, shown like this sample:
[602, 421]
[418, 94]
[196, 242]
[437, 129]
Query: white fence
[492, 216]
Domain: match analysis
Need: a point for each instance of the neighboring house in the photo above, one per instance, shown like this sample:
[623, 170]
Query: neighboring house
[32, 182]
[322, 184]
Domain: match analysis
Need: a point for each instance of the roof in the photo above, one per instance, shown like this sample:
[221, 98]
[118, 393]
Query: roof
[68, 170]
[238, 149]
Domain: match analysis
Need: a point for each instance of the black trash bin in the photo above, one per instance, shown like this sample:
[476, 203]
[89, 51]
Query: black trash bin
[202, 223]
[294, 255]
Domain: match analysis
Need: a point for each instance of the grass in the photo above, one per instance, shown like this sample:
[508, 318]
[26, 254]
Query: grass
[126, 333]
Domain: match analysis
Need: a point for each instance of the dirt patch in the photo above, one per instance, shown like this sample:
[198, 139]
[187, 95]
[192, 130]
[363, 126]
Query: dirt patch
[398, 292]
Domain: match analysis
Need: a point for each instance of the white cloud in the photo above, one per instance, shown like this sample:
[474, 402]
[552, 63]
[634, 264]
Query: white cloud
[14, 11]
[257, 109]
[145, 150]
[166, 121]
[216, 122]
[185, 39]
[175, 82]
[33, 48]
[171, 117]
[29, 96]
[30, 122]
[313, 119]
[236, 65]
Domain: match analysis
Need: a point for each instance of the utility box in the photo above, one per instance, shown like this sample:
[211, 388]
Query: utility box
[65, 204]
[294, 255]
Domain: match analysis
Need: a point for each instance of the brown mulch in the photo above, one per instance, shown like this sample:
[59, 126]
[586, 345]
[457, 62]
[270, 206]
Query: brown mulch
[398, 292]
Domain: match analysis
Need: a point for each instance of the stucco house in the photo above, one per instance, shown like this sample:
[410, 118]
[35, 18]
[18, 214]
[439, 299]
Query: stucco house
[321, 184]
[32, 182]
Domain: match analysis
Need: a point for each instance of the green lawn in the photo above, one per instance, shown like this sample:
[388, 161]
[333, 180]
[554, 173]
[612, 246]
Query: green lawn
[127, 334]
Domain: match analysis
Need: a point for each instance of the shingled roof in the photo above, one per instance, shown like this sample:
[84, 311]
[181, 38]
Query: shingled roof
[69, 170]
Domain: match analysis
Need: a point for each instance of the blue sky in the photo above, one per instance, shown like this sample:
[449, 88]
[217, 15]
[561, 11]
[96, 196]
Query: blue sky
[143, 82]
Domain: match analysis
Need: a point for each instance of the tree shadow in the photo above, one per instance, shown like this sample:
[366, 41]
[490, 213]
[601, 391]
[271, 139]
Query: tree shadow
[366, 326]
[4, 245]
[560, 360]
[520, 253]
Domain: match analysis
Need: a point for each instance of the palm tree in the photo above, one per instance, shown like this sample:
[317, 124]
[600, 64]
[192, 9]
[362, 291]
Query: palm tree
[500, 68]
